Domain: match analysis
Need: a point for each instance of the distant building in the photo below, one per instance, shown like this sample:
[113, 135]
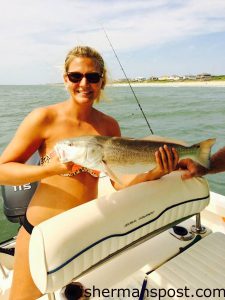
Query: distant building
[175, 77]
[153, 78]
[204, 76]
[189, 77]
[171, 78]
[139, 79]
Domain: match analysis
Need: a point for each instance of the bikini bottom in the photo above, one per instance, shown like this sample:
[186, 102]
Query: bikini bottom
[27, 225]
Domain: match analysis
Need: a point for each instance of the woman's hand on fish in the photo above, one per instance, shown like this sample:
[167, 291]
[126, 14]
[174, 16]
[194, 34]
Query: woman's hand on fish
[166, 160]
[60, 168]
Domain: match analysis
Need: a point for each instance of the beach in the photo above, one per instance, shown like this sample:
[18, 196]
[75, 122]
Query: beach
[211, 83]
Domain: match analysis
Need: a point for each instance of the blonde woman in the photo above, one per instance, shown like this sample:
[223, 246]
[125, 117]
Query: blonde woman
[62, 186]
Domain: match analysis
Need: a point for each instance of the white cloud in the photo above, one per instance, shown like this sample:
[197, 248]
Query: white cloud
[39, 33]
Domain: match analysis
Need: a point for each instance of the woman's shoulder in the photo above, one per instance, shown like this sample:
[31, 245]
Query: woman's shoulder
[45, 114]
[104, 117]
[111, 125]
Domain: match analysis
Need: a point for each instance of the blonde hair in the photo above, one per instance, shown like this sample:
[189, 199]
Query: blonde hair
[86, 51]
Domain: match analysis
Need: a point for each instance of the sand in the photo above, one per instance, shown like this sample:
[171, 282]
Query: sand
[174, 84]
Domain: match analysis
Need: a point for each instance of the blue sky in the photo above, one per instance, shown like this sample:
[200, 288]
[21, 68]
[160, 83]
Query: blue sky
[163, 37]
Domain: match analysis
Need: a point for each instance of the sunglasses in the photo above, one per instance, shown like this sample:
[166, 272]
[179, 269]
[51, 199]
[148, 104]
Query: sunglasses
[93, 77]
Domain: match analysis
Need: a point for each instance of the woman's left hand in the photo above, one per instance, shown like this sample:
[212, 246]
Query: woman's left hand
[166, 162]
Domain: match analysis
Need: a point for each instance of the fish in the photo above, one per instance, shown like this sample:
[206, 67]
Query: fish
[122, 155]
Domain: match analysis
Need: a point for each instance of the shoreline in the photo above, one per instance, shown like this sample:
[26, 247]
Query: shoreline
[213, 83]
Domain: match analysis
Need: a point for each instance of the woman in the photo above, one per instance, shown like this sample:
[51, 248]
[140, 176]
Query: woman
[62, 186]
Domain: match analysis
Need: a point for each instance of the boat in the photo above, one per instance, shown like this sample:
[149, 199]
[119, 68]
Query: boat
[168, 234]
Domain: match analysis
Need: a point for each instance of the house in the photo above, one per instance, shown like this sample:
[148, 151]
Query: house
[204, 76]
[189, 77]
[139, 79]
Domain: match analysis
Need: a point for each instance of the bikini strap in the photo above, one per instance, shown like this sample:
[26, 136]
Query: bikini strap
[27, 225]
[46, 158]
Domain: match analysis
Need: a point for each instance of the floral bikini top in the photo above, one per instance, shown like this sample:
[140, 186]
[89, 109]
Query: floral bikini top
[77, 169]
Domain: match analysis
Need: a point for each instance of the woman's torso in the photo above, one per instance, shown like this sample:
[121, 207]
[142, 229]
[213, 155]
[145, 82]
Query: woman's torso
[58, 193]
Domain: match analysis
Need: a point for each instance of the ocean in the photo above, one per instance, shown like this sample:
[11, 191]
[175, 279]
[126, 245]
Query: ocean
[187, 113]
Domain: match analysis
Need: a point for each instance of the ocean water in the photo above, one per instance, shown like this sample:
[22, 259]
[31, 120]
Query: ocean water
[188, 113]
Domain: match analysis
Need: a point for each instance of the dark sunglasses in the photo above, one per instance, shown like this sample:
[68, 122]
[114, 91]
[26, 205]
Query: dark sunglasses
[93, 77]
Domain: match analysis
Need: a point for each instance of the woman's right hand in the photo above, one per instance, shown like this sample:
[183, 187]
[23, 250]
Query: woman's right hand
[58, 167]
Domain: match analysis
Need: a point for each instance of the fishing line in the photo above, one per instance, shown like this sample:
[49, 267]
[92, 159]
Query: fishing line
[127, 80]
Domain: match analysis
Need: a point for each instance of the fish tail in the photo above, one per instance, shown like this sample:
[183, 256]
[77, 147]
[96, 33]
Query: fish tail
[205, 152]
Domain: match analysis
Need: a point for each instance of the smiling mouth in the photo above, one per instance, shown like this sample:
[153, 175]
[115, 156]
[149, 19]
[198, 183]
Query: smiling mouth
[84, 92]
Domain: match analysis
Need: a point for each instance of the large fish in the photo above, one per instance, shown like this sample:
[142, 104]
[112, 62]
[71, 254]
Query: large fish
[118, 155]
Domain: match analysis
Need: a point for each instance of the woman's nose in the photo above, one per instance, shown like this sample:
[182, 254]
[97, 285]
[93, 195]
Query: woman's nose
[84, 81]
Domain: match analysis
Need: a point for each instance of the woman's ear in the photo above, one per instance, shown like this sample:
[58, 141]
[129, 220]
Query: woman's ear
[103, 84]
[65, 78]
[66, 83]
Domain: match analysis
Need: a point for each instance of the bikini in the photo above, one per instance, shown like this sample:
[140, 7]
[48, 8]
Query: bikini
[76, 169]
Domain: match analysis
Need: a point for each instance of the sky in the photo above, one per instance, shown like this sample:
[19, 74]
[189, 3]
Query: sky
[150, 37]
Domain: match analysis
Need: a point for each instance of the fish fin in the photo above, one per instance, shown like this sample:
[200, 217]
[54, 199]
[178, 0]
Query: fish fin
[111, 174]
[205, 151]
[157, 138]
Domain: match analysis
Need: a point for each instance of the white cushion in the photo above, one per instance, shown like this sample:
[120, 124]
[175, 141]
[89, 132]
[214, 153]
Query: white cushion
[201, 266]
[68, 244]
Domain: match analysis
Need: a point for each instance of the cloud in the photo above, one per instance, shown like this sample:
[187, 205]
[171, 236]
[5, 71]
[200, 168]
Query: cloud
[41, 32]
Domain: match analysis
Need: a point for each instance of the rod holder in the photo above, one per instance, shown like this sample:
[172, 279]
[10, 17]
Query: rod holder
[198, 228]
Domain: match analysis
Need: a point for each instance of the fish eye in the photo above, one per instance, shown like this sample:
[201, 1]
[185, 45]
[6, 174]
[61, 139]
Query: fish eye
[67, 143]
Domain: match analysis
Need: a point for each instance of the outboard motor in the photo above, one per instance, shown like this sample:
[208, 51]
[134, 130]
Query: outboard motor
[16, 198]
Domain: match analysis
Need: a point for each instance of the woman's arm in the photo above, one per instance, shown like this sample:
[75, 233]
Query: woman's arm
[13, 173]
[28, 138]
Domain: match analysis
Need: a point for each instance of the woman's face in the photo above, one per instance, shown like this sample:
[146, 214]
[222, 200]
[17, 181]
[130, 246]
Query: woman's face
[83, 91]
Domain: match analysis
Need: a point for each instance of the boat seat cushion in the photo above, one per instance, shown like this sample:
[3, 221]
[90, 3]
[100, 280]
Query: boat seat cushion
[200, 267]
[65, 246]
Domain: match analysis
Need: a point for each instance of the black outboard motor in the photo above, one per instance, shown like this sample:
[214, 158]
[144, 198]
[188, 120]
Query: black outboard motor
[17, 198]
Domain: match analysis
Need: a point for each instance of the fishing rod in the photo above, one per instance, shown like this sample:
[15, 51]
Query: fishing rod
[128, 80]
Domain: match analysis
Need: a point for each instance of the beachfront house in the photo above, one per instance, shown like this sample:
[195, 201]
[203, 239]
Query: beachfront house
[171, 78]
[204, 76]
[139, 79]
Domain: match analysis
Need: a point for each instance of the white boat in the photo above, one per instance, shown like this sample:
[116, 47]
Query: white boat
[109, 245]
